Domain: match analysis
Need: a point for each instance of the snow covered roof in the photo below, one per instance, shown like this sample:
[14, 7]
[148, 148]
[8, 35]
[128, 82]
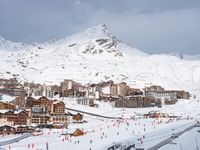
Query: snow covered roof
[7, 98]
[56, 102]
[4, 111]
[72, 130]
[18, 111]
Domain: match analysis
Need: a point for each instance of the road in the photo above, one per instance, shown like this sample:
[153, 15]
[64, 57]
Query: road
[92, 114]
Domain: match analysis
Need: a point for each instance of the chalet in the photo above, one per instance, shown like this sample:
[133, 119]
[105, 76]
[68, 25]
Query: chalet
[58, 115]
[58, 108]
[43, 102]
[75, 118]
[78, 117]
[17, 117]
[50, 106]
[23, 129]
[6, 129]
[48, 111]
[40, 118]
[21, 118]
[59, 120]
[39, 115]
[76, 132]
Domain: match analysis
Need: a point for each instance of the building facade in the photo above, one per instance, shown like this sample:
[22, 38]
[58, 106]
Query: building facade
[17, 117]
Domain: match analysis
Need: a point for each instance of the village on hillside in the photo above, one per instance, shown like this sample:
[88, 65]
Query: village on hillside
[28, 106]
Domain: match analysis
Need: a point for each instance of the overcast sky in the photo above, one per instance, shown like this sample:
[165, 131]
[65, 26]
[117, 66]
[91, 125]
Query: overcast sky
[154, 26]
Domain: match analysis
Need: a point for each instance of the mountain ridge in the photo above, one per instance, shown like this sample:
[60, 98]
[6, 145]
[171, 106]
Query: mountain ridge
[95, 55]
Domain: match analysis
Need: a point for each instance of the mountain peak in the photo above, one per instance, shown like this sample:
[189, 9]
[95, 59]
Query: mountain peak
[98, 31]
[98, 39]
[99, 26]
[178, 55]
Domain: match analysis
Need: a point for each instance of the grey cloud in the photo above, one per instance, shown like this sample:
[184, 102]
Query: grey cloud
[154, 26]
[143, 6]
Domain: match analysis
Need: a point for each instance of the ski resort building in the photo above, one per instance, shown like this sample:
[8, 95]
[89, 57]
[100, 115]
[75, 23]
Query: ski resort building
[17, 117]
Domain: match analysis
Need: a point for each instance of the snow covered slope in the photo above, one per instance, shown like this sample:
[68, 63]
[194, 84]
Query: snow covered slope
[92, 56]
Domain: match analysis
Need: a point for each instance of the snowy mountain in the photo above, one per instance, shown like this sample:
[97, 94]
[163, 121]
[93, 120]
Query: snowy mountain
[92, 56]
